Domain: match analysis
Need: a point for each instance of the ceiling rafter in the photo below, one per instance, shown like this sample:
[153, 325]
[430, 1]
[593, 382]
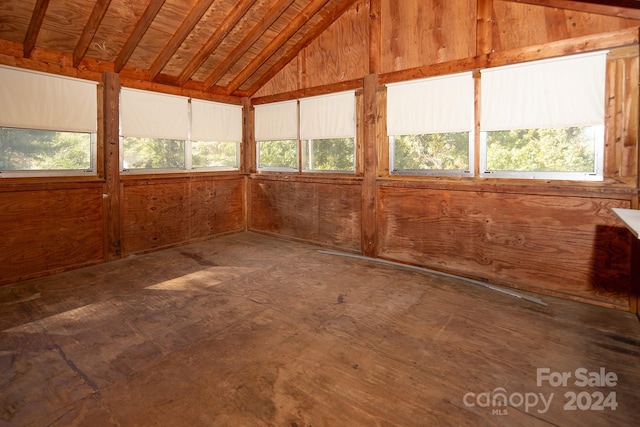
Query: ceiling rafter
[39, 10]
[98, 12]
[298, 22]
[252, 36]
[136, 35]
[214, 41]
[629, 9]
[326, 22]
[189, 23]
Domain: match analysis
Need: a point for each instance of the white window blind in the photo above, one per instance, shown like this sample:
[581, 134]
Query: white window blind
[153, 115]
[32, 100]
[328, 116]
[558, 92]
[433, 105]
[212, 121]
[276, 121]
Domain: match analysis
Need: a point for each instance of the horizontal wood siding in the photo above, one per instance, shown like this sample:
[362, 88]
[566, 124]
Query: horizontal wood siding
[569, 246]
[48, 230]
[320, 212]
[164, 212]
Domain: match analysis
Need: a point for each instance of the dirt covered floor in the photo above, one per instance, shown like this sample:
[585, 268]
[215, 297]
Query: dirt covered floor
[249, 330]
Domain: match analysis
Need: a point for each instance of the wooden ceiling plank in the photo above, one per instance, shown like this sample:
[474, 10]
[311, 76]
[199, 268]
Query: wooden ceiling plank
[138, 32]
[326, 22]
[214, 41]
[190, 22]
[252, 36]
[35, 24]
[294, 26]
[98, 12]
[619, 9]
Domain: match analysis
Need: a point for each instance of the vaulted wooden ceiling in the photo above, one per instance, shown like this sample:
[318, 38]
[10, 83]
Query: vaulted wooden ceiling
[229, 47]
[226, 47]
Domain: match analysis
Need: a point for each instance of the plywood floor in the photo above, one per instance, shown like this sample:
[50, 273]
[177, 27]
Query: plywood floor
[248, 330]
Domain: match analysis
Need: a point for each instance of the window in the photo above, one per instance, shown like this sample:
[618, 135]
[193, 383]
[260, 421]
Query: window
[276, 133]
[155, 128]
[171, 133]
[216, 133]
[326, 126]
[544, 119]
[327, 131]
[430, 123]
[48, 124]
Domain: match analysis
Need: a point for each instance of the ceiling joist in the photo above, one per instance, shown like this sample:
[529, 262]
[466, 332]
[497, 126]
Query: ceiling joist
[214, 41]
[90, 29]
[252, 36]
[35, 24]
[190, 22]
[300, 20]
[141, 27]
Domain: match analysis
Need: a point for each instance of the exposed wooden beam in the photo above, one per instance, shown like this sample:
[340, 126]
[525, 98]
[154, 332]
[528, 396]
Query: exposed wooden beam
[216, 38]
[294, 26]
[196, 13]
[622, 9]
[98, 12]
[326, 22]
[252, 36]
[375, 36]
[484, 42]
[138, 32]
[35, 24]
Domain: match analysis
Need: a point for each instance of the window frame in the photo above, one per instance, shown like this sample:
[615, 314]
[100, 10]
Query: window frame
[92, 171]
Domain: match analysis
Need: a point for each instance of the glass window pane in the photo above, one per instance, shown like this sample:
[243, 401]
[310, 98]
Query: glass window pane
[152, 153]
[570, 149]
[278, 154]
[28, 149]
[206, 154]
[335, 154]
[437, 151]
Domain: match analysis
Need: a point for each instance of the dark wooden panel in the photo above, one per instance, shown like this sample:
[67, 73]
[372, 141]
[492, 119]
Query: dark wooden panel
[320, 212]
[560, 245]
[160, 213]
[49, 230]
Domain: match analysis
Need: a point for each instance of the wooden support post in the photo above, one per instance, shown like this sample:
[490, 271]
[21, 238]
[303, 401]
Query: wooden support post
[112, 196]
[369, 190]
[248, 158]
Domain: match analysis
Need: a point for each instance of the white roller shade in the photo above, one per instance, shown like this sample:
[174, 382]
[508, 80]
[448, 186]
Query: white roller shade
[212, 121]
[328, 116]
[276, 121]
[558, 92]
[434, 105]
[153, 115]
[33, 100]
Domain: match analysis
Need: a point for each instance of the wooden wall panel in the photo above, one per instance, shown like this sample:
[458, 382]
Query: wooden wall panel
[519, 25]
[285, 81]
[569, 246]
[164, 212]
[319, 212]
[420, 32]
[341, 53]
[45, 231]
